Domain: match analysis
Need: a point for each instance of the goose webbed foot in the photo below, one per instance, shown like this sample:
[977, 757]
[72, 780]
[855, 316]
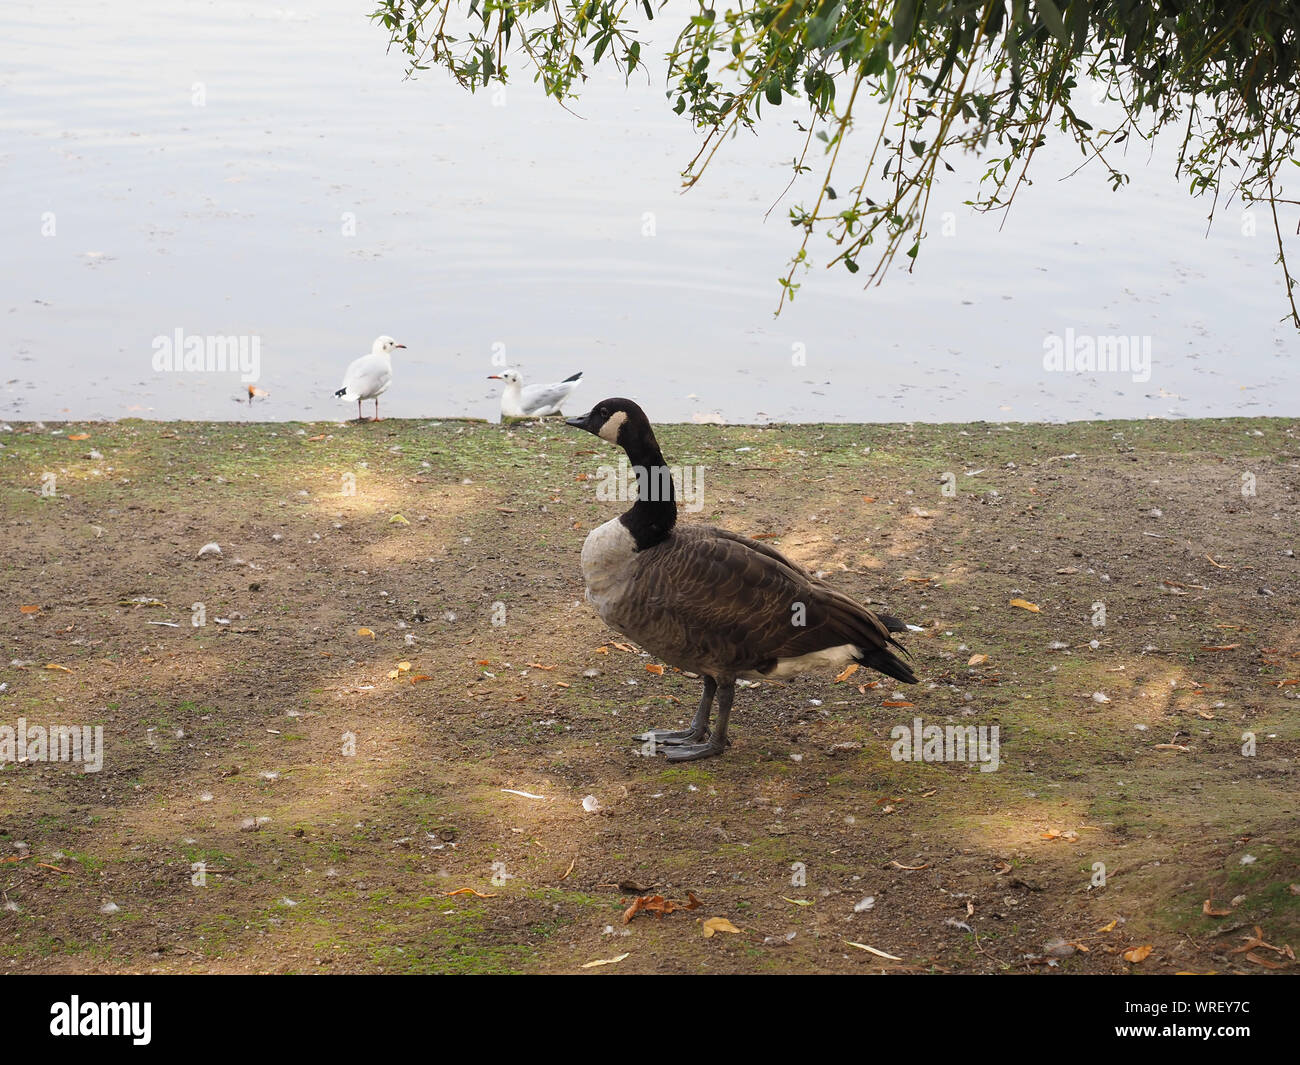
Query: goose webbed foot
[665, 738]
[690, 752]
[698, 733]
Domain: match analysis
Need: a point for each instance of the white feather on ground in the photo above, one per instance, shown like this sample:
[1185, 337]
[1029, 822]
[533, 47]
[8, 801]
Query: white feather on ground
[533, 401]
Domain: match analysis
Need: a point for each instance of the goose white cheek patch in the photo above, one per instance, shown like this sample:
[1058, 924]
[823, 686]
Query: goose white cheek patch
[609, 431]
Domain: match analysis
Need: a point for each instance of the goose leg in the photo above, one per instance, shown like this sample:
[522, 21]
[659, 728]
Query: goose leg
[717, 742]
[699, 729]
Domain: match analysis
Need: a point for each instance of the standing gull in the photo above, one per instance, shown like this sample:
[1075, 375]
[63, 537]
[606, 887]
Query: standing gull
[369, 376]
[533, 401]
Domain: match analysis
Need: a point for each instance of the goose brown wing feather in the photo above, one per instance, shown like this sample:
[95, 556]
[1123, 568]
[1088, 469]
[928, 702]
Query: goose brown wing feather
[716, 602]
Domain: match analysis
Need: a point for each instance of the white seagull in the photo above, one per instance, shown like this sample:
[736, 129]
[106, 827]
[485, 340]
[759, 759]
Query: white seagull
[369, 376]
[534, 401]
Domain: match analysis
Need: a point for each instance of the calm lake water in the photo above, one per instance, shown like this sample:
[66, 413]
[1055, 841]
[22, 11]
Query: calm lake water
[239, 169]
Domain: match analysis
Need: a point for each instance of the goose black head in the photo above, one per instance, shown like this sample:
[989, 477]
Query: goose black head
[619, 421]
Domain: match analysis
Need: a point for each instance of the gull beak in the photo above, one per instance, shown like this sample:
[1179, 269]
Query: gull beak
[399, 345]
[495, 377]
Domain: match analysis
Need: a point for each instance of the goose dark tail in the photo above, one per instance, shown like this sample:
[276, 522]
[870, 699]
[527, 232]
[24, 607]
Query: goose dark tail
[883, 660]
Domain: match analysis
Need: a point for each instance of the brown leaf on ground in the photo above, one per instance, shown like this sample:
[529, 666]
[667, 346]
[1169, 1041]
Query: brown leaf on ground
[1221, 647]
[365, 632]
[1207, 908]
[910, 868]
[977, 660]
[1252, 956]
[1025, 604]
[849, 670]
[657, 904]
[655, 668]
[1137, 955]
[468, 891]
[718, 924]
[29, 610]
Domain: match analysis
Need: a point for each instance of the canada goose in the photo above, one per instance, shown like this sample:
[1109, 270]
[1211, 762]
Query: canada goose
[369, 376]
[533, 401]
[714, 602]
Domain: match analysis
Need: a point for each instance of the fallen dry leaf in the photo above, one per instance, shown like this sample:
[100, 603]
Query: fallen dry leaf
[655, 668]
[1024, 604]
[605, 961]
[29, 610]
[1137, 955]
[977, 660]
[365, 632]
[55, 665]
[417, 677]
[718, 924]
[468, 891]
[659, 905]
[849, 670]
[910, 868]
[1207, 908]
[79, 436]
[897, 702]
[397, 519]
[1222, 647]
[1219, 564]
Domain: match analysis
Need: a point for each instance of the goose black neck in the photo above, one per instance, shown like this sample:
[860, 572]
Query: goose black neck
[654, 513]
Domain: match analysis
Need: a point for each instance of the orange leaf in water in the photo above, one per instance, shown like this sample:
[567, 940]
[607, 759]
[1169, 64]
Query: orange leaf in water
[849, 670]
[1024, 604]
[1136, 955]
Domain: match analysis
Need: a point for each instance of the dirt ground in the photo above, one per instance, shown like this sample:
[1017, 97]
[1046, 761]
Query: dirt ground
[228, 746]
